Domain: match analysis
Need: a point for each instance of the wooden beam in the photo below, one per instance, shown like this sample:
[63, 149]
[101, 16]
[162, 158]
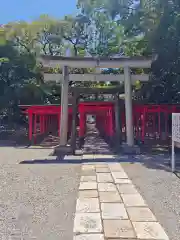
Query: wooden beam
[58, 78]
[85, 62]
[81, 90]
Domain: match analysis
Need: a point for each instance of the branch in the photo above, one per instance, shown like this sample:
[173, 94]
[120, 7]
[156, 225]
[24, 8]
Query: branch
[69, 39]
[44, 48]
[50, 48]
[22, 44]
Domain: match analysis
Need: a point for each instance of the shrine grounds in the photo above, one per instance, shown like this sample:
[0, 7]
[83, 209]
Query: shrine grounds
[38, 198]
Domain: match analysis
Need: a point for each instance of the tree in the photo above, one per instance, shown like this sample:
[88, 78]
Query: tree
[50, 35]
[160, 28]
[14, 72]
[114, 8]
[101, 28]
[75, 34]
[166, 44]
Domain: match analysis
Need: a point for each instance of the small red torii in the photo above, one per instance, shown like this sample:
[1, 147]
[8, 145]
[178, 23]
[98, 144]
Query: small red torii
[50, 114]
[143, 116]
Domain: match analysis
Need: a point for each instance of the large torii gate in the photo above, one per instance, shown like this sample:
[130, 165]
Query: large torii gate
[127, 63]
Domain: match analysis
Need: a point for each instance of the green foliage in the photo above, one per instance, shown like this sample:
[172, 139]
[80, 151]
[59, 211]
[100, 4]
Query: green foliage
[163, 35]
[2, 36]
[101, 28]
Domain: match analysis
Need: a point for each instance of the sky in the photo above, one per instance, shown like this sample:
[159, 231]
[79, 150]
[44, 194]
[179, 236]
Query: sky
[16, 10]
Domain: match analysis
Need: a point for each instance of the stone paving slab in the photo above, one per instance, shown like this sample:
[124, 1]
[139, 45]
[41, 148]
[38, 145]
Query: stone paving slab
[140, 214]
[107, 187]
[104, 156]
[118, 229]
[149, 230]
[89, 172]
[116, 167]
[88, 167]
[88, 179]
[88, 194]
[109, 207]
[119, 175]
[109, 197]
[101, 165]
[133, 200]
[126, 189]
[87, 223]
[88, 156]
[89, 237]
[102, 170]
[122, 181]
[87, 205]
[104, 177]
[113, 211]
[88, 186]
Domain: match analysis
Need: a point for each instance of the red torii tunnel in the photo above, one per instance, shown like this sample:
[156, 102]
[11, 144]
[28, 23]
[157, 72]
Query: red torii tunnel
[150, 121]
[46, 119]
[104, 112]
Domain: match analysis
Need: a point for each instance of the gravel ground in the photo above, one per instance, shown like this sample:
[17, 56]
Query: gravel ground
[161, 189]
[36, 201]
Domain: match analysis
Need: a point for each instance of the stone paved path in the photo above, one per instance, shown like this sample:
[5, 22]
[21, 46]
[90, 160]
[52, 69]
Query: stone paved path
[94, 144]
[110, 207]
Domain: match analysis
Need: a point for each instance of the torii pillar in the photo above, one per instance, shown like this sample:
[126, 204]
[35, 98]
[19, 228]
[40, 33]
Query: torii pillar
[64, 107]
[129, 147]
[117, 121]
[128, 107]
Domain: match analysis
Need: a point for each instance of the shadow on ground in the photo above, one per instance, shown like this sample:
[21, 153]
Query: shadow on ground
[153, 157]
[160, 162]
[19, 139]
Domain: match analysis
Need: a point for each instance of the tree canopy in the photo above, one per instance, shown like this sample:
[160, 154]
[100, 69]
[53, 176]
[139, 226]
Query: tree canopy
[101, 28]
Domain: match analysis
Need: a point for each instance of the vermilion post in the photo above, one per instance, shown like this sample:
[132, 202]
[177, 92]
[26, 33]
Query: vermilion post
[81, 124]
[43, 123]
[40, 119]
[154, 123]
[107, 123]
[59, 123]
[110, 124]
[30, 125]
[35, 127]
[166, 124]
[159, 123]
[81, 121]
[143, 122]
